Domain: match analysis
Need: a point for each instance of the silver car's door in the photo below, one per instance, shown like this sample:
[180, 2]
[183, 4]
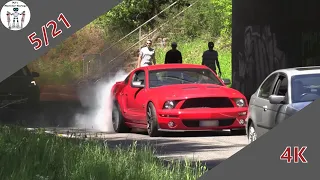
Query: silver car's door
[261, 103]
[274, 113]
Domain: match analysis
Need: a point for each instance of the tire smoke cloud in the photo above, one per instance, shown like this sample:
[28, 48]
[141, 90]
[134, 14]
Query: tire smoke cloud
[99, 100]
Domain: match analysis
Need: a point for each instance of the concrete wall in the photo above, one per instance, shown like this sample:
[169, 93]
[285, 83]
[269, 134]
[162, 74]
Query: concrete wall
[270, 34]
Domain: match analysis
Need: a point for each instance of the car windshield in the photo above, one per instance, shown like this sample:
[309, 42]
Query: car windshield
[181, 76]
[305, 88]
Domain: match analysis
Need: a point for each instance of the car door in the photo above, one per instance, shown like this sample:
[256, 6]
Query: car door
[123, 99]
[135, 97]
[261, 103]
[126, 106]
[140, 98]
[275, 113]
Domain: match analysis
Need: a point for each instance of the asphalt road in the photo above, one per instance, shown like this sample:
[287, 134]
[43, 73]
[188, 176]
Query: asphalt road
[210, 148]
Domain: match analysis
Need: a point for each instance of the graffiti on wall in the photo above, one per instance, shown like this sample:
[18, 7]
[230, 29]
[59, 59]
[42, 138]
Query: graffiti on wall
[310, 48]
[259, 57]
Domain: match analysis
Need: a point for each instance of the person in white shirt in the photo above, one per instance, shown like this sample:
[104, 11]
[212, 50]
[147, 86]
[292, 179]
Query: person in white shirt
[146, 55]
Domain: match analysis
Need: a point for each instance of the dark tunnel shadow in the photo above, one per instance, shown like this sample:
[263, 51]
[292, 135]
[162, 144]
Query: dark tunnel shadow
[189, 134]
[49, 114]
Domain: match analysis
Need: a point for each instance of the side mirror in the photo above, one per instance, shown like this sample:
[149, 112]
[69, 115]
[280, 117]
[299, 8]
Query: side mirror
[275, 99]
[226, 81]
[137, 84]
[35, 74]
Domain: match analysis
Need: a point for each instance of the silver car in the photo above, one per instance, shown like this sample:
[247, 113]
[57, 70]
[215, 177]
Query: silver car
[283, 93]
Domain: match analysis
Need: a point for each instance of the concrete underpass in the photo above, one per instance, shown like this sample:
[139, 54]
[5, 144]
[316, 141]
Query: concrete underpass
[272, 34]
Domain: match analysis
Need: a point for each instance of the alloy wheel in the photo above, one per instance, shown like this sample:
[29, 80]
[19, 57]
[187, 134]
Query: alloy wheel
[252, 134]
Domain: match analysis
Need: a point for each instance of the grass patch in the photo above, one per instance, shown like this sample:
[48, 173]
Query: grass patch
[28, 155]
[192, 54]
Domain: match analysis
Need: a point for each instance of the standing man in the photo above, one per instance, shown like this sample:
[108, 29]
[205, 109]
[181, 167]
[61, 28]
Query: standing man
[210, 58]
[146, 56]
[173, 55]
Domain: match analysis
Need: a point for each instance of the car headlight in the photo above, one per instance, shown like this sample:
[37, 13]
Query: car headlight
[169, 105]
[240, 102]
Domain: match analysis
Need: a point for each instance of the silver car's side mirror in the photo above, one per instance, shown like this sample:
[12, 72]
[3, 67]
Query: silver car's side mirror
[276, 99]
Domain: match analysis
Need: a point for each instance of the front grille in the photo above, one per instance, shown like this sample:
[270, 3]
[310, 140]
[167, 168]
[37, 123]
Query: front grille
[208, 102]
[195, 123]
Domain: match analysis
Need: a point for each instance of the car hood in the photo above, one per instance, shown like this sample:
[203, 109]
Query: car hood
[195, 90]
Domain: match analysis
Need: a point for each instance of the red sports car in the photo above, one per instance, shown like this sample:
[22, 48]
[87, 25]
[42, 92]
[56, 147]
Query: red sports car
[177, 97]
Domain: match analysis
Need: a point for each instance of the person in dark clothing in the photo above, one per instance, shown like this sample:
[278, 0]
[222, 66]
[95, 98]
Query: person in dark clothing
[173, 55]
[210, 58]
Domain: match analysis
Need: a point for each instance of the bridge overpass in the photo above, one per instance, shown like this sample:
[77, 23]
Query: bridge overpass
[272, 34]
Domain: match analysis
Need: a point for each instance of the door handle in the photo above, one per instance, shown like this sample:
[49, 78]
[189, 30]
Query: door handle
[265, 108]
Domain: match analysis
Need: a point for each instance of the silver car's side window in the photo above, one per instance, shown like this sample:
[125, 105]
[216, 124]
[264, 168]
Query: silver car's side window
[282, 86]
[266, 88]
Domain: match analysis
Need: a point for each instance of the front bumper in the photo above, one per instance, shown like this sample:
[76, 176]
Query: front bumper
[181, 120]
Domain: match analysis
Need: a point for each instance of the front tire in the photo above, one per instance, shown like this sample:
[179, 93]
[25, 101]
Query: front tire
[152, 121]
[252, 135]
[118, 121]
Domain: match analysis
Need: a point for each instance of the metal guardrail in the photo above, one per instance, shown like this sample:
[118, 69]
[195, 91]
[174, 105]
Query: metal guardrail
[139, 28]
[95, 64]
[165, 23]
[89, 60]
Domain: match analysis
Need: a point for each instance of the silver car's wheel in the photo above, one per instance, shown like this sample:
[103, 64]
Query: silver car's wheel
[252, 135]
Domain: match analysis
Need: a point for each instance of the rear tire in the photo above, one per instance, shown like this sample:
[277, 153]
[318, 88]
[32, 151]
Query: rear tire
[152, 121]
[118, 121]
